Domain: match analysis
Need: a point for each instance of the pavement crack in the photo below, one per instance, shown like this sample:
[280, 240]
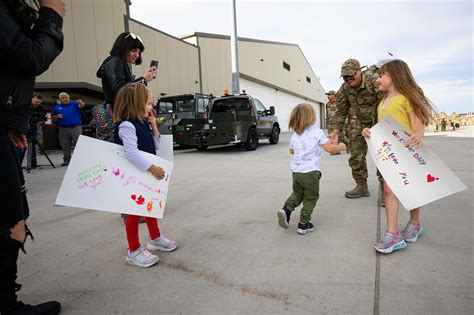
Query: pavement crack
[377, 255]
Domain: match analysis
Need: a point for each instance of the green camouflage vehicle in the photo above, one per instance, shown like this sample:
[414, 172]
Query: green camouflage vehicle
[237, 119]
[182, 110]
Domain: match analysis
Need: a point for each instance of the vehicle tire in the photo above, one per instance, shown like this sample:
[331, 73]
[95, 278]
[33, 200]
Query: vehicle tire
[252, 140]
[275, 136]
[201, 147]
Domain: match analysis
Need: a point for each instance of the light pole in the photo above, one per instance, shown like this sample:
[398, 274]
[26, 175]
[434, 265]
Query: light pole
[234, 53]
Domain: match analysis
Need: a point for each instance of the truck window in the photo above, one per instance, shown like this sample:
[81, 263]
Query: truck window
[229, 105]
[185, 106]
[165, 106]
[202, 104]
[260, 107]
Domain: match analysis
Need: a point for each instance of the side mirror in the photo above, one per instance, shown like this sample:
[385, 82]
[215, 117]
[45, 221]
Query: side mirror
[272, 110]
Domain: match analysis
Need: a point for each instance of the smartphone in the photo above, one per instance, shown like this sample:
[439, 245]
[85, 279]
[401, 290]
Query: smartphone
[154, 63]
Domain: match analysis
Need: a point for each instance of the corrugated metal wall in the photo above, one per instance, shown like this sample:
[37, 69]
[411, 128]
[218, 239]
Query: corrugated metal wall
[260, 60]
[90, 27]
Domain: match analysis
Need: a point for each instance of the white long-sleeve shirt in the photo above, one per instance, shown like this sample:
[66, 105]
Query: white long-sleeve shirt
[128, 135]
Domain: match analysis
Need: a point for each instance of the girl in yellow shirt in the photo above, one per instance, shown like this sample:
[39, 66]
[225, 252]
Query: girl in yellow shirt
[407, 104]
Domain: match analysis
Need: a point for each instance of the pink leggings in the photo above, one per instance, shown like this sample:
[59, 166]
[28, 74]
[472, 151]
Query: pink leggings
[131, 228]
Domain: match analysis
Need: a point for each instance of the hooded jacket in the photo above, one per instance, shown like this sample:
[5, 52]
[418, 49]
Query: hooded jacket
[24, 54]
[115, 73]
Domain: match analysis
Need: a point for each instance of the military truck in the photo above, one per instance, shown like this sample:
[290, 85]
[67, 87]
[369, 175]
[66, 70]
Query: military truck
[237, 119]
[185, 109]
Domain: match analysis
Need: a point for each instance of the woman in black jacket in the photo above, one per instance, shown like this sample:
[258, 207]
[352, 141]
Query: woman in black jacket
[114, 73]
[30, 40]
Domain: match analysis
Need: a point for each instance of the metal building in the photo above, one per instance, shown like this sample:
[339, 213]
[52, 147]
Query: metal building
[276, 73]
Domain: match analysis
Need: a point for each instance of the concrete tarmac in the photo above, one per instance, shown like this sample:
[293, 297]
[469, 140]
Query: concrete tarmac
[234, 258]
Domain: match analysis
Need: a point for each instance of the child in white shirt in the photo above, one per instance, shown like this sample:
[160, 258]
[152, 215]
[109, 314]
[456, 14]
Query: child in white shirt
[305, 145]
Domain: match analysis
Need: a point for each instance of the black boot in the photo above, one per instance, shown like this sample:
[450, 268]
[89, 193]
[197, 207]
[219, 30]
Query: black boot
[9, 249]
[48, 308]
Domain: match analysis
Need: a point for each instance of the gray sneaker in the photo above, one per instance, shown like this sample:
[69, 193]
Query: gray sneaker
[141, 257]
[162, 243]
[412, 232]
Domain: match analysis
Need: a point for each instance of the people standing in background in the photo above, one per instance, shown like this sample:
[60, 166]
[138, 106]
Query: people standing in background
[37, 118]
[68, 119]
[331, 108]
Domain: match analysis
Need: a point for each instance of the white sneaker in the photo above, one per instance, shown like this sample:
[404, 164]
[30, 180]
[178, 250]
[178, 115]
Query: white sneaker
[162, 243]
[141, 257]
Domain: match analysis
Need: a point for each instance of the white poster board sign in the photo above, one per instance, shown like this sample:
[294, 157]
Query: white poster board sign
[100, 177]
[166, 147]
[416, 176]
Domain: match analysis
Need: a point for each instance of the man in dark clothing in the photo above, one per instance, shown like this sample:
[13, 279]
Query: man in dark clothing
[37, 117]
[30, 41]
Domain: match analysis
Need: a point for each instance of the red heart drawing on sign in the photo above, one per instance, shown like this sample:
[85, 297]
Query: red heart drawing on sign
[430, 178]
[140, 200]
[133, 197]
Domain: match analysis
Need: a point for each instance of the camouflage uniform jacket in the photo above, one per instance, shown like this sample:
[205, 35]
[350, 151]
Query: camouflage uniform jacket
[361, 101]
[331, 108]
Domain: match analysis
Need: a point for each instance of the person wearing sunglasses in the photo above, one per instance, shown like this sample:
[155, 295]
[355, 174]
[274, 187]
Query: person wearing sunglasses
[115, 71]
[357, 101]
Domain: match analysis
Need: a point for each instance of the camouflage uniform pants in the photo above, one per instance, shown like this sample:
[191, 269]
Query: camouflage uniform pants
[357, 160]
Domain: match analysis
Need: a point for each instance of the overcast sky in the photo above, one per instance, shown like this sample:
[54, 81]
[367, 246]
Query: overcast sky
[435, 38]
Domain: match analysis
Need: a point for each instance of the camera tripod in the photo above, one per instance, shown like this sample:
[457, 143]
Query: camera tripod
[29, 154]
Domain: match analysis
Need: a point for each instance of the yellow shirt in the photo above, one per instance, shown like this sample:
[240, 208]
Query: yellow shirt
[399, 108]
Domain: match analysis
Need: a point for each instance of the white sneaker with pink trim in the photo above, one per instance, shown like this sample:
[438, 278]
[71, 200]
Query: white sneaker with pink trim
[141, 257]
[162, 243]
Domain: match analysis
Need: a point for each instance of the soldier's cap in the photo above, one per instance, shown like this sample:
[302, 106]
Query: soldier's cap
[350, 67]
[332, 92]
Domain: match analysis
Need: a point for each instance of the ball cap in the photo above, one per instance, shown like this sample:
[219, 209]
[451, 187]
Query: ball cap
[350, 67]
[332, 92]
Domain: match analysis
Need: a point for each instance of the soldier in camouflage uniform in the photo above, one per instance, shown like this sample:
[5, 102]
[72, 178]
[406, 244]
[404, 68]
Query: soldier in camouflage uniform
[331, 108]
[359, 96]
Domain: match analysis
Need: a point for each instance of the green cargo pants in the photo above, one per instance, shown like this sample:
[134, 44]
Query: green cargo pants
[306, 191]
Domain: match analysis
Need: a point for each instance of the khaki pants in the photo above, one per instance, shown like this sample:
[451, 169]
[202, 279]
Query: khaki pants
[68, 139]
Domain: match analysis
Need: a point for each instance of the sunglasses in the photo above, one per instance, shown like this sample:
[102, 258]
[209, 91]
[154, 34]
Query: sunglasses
[348, 78]
[134, 36]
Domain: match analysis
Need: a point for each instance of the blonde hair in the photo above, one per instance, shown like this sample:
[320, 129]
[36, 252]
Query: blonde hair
[130, 102]
[301, 117]
[405, 84]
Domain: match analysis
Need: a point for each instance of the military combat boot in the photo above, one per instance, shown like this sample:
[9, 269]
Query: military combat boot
[361, 190]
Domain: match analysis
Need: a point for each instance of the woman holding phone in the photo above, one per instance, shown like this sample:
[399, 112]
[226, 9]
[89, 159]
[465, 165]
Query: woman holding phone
[114, 73]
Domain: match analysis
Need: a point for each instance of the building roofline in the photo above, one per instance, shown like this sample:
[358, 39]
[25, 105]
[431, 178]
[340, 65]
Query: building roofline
[244, 39]
[161, 32]
[219, 36]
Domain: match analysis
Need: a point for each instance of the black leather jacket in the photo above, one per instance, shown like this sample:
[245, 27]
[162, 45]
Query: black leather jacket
[24, 54]
[115, 73]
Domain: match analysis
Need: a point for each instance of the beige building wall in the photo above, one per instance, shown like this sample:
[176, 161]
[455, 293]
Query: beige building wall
[178, 69]
[261, 60]
[90, 27]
